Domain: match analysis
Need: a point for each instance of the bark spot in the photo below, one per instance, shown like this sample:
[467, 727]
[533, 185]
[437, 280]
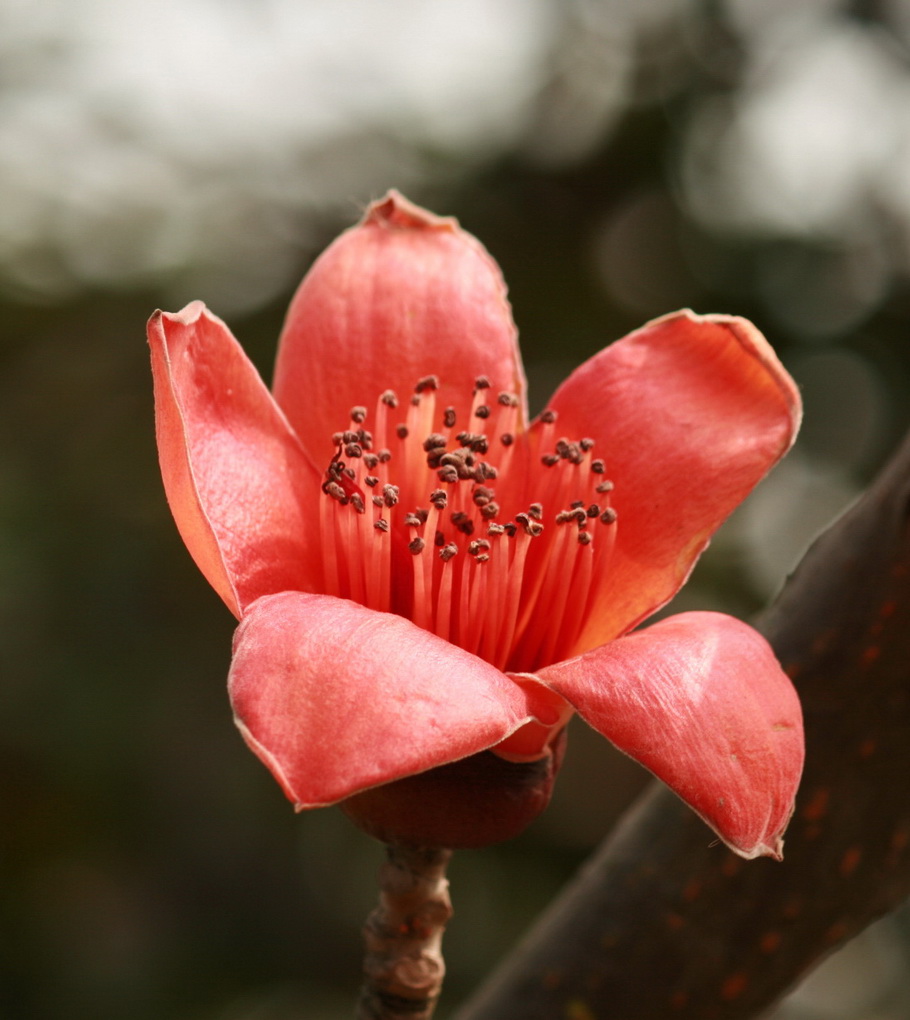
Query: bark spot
[734, 986]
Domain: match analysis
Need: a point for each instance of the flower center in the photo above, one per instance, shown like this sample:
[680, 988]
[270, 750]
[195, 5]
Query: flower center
[493, 541]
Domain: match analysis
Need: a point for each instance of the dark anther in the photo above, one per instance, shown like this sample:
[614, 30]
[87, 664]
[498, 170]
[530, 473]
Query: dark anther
[576, 503]
[448, 551]
[411, 521]
[401, 431]
[482, 495]
[428, 382]
[350, 436]
[353, 450]
[584, 537]
[381, 525]
[608, 516]
[334, 490]
[389, 398]
[489, 510]
[439, 539]
[447, 473]
[384, 456]
[598, 467]
[390, 495]
[377, 500]
[549, 459]
[569, 451]
[371, 480]
[485, 472]
[535, 510]
[337, 438]
[576, 514]
[448, 417]
[463, 523]
[510, 529]
[370, 460]
[357, 503]
[605, 487]
[439, 498]
[496, 529]
[593, 510]
[532, 528]
[507, 439]
[548, 416]
[416, 545]
[365, 439]
[586, 444]
[434, 441]
[482, 411]
[358, 415]
[415, 400]
[481, 383]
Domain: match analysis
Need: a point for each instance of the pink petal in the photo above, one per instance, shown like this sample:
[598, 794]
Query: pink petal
[336, 698]
[700, 700]
[689, 413]
[403, 295]
[238, 482]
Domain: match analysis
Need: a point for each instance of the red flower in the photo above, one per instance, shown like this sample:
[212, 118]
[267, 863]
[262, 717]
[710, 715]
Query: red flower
[421, 576]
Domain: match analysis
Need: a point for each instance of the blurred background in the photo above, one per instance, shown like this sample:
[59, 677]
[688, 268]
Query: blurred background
[620, 158]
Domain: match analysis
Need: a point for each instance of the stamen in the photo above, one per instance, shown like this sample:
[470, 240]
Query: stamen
[517, 593]
[444, 597]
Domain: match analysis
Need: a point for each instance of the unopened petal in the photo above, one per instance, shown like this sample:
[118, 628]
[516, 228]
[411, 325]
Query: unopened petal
[700, 700]
[335, 698]
[238, 482]
[688, 413]
[402, 296]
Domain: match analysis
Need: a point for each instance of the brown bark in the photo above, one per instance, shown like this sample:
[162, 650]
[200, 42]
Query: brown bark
[403, 966]
[663, 924]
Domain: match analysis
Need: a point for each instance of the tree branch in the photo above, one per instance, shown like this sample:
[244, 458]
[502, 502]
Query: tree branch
[661, 924]
[403, 967]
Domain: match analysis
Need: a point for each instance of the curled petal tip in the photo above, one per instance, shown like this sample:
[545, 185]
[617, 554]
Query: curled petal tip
[187, 315]
[395, 212]
[753, 341]
[774, 850]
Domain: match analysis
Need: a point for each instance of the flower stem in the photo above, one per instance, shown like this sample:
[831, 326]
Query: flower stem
[403, 967]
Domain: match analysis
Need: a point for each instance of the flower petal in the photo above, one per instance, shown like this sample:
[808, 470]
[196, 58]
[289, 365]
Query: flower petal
[236, 478]
[336, 698]
[403, 295]
[689, 413]
[700, 700]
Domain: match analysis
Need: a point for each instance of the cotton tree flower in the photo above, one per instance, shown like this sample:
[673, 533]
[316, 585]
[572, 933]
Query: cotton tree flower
[428, 585]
